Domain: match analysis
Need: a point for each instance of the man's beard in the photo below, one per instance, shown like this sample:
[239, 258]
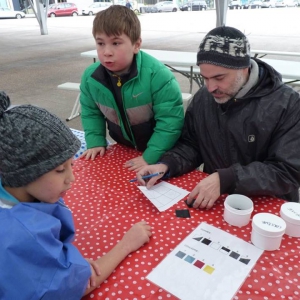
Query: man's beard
[232, 91]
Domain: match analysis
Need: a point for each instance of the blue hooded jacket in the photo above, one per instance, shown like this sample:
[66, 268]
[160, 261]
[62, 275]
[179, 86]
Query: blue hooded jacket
[37, 258]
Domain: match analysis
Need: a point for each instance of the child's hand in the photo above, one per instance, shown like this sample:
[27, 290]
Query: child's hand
[92, 153]
[95, 272]
[136, 236]
[135, 164]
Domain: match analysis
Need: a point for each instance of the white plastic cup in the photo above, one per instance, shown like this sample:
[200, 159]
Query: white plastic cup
[267, 231]
[237, 210]
[290, 213]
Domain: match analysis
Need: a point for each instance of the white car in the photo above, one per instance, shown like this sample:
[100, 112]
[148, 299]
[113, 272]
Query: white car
[166, 6]
[286, 3]
[268, 3]
[6, 13]
[95, 7]
[255, 4]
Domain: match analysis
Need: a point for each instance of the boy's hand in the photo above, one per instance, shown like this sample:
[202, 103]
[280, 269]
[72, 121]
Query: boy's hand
[136, 236]
[151, 169]
[95, 272]
[135, 164]
[92, 153]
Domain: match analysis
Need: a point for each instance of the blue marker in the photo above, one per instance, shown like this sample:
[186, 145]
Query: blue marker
[147, 176]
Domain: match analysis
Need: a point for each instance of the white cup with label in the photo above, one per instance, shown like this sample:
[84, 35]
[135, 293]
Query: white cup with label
[267, 231]
[237, 210]
[290, 213]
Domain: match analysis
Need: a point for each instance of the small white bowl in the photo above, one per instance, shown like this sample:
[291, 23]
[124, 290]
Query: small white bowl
[237, 210]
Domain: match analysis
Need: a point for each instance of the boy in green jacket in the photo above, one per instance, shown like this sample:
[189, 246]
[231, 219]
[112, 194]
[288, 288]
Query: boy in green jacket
[135, 94]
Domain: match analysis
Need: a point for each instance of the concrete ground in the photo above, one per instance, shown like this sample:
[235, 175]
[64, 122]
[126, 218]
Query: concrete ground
[32, 65]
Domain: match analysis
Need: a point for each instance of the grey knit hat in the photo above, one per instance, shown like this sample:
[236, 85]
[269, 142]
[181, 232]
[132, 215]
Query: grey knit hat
[32, 143]
[226, 47]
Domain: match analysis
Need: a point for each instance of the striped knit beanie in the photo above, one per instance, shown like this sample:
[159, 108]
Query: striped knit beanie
[225, 47]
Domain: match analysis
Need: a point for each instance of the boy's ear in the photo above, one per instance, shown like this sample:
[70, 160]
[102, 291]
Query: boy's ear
[137, 45]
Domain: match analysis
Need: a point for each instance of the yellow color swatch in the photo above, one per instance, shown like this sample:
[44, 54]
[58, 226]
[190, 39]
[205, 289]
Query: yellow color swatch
[208, 269]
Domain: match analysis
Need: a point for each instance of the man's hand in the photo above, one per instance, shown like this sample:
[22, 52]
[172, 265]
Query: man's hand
[151, 169]
[206, 192]
[92, 153]
[135, 164]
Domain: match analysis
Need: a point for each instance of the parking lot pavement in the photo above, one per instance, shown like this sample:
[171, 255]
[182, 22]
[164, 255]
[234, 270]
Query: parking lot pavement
[32, 65]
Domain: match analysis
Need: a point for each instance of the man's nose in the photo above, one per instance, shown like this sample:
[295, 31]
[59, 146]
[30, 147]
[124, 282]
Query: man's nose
[210, 85]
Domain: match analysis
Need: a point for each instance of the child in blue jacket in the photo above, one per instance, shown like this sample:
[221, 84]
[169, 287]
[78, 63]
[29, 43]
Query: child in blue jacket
[38, 259]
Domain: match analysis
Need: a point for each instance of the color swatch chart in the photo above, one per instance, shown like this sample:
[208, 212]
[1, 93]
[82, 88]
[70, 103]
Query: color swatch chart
[208, 264]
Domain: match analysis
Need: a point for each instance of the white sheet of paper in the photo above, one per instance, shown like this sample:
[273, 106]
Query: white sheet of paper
[208, 264]
[164, 195]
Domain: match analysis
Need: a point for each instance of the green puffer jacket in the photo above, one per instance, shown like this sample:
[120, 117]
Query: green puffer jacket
[152, 101]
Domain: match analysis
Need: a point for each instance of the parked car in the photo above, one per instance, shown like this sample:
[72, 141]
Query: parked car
[63, 9]
[234, 4]
[286, 3]
[166, 6]
[150, 9]
[255, 4]
[6, 13]
[268, 3]
[194, 5]
[238, 4]
[95, 7]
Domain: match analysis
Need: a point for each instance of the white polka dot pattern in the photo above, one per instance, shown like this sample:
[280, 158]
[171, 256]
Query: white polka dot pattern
[105, 205]
[80, 136]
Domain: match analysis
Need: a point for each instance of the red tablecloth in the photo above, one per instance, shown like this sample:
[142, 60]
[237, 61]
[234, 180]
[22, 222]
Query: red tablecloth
[105, 205]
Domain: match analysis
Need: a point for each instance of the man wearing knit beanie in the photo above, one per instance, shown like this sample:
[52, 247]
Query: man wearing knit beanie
[225, 49]
[36, 228]
[243, 125]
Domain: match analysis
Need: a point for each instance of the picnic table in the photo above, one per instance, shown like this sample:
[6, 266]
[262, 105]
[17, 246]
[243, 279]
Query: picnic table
[185, 63]
[263, 53]
[105, 205]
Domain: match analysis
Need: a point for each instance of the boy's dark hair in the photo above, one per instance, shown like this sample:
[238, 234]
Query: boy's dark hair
[116, 20]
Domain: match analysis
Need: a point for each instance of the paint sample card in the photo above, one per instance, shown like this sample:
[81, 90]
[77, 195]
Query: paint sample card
[164, 195]
[208, 264]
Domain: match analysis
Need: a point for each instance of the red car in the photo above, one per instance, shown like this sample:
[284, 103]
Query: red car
[63, 9]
